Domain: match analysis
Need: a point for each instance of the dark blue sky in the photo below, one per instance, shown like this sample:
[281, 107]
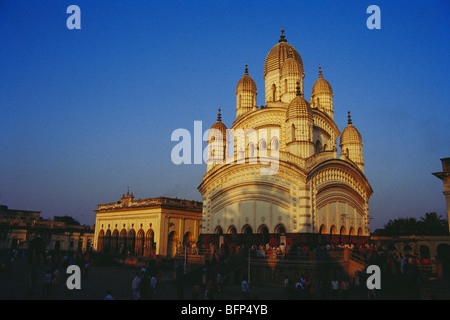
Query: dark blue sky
[86, 113]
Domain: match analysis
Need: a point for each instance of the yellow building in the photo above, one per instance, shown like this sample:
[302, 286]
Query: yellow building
[147, 227]
[285, 179]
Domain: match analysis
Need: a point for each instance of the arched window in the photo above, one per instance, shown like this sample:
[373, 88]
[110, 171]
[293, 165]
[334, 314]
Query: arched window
[263, 144]
[293, 132]
[188, 239]
[251, 150]
[274, 144]
[343, 231]
[325, 147]
[218, 230]
[318, 146]
[280, 229]
[274, 92]
[333, 230]
[285, 86]
[351, 232]
[232, 230]
[240, 101]
[247, 229]
[263, 229]
[323, 229]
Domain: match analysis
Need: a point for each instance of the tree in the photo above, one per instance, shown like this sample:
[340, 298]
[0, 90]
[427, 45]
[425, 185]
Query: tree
[430, 224]
[67, 219]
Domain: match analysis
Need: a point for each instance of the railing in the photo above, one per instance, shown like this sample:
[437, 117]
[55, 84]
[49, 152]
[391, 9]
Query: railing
[356, 257]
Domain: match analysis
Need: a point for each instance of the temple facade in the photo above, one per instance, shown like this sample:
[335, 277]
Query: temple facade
[284, 172]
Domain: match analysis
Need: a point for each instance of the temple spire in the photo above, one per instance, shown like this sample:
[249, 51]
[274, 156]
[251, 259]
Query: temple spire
[320, 72]
[349, 118]
[246, 69]
[282, 37]
[219, 116]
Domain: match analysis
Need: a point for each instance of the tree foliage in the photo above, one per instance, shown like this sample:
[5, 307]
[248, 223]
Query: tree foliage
[430, 224]
[67, 219]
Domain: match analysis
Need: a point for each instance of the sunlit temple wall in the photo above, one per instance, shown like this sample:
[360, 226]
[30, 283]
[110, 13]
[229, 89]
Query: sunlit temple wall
[314, 188]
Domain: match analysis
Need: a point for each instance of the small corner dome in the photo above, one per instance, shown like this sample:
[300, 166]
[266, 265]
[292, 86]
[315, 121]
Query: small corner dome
[350, 134]
[299, 108]
[321, 85]
[246, 83]
[217, 127]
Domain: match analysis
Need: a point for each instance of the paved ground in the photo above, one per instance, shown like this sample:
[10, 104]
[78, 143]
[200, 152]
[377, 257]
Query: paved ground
[14, 286]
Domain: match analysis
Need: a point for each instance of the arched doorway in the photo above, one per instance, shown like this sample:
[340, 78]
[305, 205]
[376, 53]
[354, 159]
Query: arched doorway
[333, 230]
[360, 232]
[188, 240]
[264, 232]
[107, 241]
[323, 229]
[351, 232]
[123, 241]
[131, 241]
[280, 229]
[101, 236]
[139, 247]
[232, 230]
[149, 243]
[115, 241]
[424, 252]
[343, 231]
[172, 244]
[247, 229]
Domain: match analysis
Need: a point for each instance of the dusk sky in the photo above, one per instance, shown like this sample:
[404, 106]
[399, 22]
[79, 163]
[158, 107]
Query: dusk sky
[86, 113]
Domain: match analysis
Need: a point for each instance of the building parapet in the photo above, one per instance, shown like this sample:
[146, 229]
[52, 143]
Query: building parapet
[130, 203]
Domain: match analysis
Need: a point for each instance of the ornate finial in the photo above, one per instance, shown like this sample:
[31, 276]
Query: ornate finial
[282, 37]
[128, 191]
[320, 72]
[219, 116]
[299, 93]
[246, 69]
[349, 118]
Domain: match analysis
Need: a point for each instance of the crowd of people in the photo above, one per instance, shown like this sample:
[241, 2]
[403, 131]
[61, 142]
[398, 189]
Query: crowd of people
[144, 284]
[55, 264]
[281, 251]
